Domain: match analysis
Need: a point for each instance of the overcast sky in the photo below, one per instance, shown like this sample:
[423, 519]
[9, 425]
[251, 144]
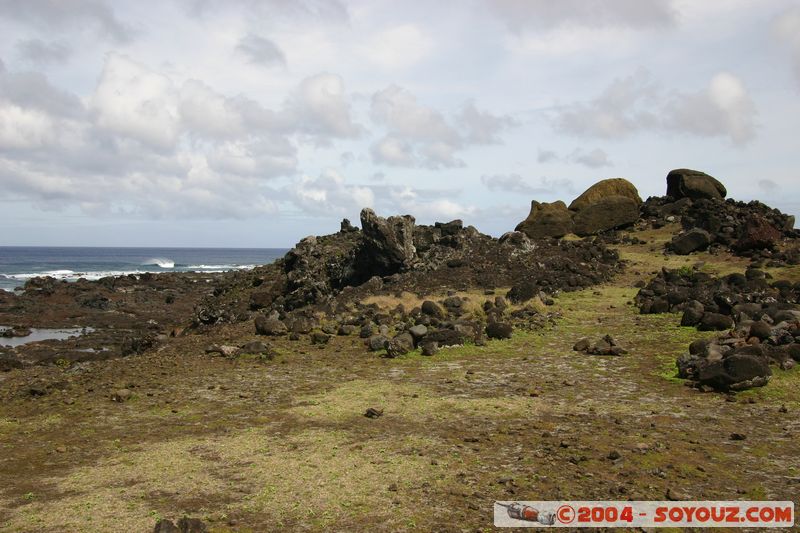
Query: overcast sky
[257, 122]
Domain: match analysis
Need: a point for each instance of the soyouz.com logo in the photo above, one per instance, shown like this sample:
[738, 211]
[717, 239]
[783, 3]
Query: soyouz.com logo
[756, 514]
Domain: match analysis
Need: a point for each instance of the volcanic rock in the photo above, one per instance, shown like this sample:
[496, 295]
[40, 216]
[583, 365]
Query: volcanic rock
[389, 241]
[757, 234]
[270, 326]
[687, 183]
[693, 240]
[377, 343]
[499, 330]
[400, 345]
[715, 322]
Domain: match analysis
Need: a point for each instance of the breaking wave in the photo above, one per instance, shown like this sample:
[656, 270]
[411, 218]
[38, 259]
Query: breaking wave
[161, 262]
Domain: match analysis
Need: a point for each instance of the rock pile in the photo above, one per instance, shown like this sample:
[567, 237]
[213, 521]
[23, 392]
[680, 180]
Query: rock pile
[711, 303]
[760, 317]
[604, 346]
[741, 359]
[711, 222]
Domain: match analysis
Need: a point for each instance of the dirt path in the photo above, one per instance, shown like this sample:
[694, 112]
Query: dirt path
[283, 444]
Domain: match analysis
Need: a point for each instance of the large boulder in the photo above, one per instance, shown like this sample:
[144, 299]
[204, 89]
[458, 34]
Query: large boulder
[270, 326]
[389, 242]
[605, 214]
[737, 372]
[547, 220]
[692, 241]
[400, 345]
[687, 183]
[605, 189]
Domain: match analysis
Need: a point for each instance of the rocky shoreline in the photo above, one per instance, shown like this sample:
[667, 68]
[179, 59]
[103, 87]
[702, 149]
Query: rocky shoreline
[488, 287]
[405, 358]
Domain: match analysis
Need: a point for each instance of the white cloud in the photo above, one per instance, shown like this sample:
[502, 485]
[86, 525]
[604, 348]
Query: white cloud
[24, 128]
[482, 127]
[262, 158]
[515, 183]
[596, 158]
[724, 108]
[521, 15]
[329, 194]
[60, 15]
[786, 28]
[393, 151]
[397, 47]
[421, 136]
[208, 113]
[400, 111]
[320, 108]
[634, 104]
[623, 107]
[136, 102]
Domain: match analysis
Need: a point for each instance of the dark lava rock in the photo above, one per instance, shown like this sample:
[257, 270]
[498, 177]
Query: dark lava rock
[692, 314]
[270, 326]
[429, 348]
[432, 309]
[715, 322]
[418, 332]
[255, 348]
[582, 345]
[760, 330]
[373, 412]
[9, 361]
[606, 346]
[692, 241]
[547, 220]
[687, 183]
[319, 337]
[377, 343]
[346, 330]
[757, 234]
[389, 241]
[16, 331]
[446, 337]
[400, 345]
[499, 330]
[737, 372]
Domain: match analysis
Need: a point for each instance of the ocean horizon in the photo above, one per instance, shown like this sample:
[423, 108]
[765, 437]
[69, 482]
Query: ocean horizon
[21, 263]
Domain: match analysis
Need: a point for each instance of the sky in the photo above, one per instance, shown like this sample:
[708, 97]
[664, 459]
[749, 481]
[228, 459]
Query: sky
[253, 123]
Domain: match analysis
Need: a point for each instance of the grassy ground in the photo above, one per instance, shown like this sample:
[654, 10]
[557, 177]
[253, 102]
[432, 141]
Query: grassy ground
[283, 445]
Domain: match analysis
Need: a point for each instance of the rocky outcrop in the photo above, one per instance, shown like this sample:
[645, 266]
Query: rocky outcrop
[608, 204]
[687, 183]
[547, 220]
[388, 242]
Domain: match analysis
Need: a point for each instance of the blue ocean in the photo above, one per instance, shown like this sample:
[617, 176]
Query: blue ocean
[20, 263]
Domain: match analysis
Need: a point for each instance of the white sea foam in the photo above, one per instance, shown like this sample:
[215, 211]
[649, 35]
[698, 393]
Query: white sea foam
[70, 275]
[220, 268]
[161, 262]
